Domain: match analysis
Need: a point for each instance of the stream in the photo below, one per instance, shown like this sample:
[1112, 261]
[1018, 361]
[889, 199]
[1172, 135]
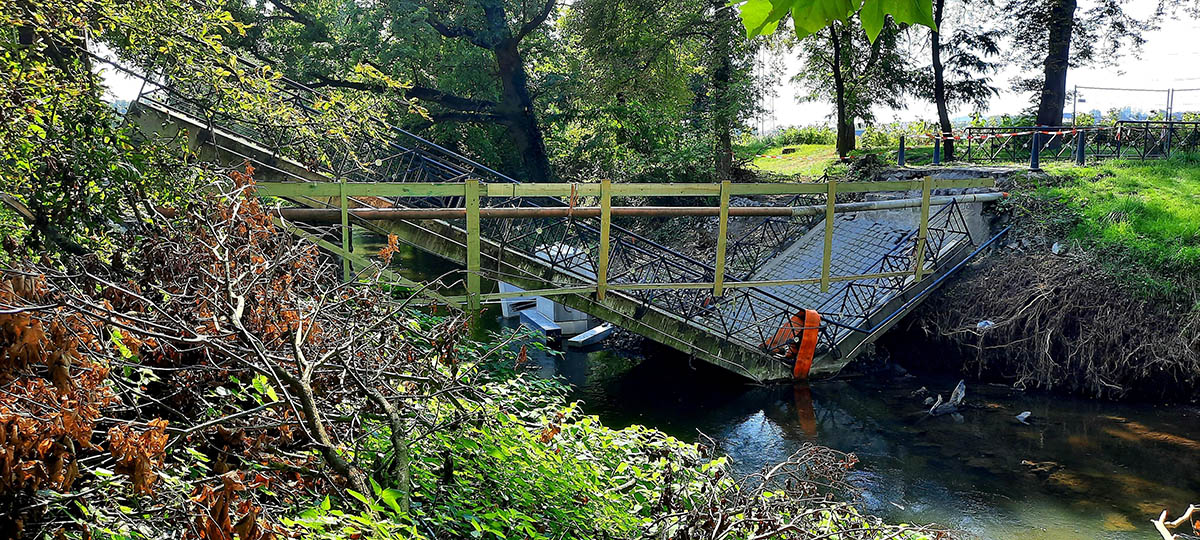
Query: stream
[1079, 469]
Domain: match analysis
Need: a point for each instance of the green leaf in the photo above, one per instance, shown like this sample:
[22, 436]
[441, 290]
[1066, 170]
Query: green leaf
[390, 497]
[263, 386]
[810, 16]
[874, 12]
[760, 17]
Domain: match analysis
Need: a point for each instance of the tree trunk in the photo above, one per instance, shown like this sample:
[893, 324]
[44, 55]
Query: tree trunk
[939, 81]
[845, 123]
[516, 106]
[722, 94]
[1058, 55]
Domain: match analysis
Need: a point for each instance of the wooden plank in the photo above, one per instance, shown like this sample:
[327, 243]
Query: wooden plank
[722, 239]
[827, 256]
[605, 225]
[923, 231]
[447, 189]
[345, 206]
[471, 199]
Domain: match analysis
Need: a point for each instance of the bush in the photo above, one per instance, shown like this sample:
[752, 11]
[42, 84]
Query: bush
[750, 145]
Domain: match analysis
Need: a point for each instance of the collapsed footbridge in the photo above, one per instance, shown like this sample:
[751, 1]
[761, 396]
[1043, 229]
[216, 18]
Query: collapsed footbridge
[798, 290]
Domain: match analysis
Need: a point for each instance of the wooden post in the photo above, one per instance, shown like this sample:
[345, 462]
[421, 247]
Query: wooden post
[722, 239]
[471, 200]
[605, 224]
[345, 228]
[827, 257]
[923, 231]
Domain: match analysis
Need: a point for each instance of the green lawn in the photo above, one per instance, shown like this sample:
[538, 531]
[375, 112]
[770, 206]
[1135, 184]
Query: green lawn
[811, 160]
[804, 160]
[1149, 209]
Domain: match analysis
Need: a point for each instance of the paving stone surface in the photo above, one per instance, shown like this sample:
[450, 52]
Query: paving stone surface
[860, 243]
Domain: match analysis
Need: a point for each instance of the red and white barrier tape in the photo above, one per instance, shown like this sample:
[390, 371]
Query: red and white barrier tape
[1013, 134]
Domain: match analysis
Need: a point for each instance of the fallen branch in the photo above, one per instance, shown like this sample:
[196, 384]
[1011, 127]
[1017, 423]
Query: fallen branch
[1164, 527]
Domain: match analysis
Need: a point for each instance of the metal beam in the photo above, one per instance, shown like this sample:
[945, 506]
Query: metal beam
[450, 189]
[331, 215]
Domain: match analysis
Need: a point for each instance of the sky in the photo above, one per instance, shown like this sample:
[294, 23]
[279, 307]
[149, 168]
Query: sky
[1169, 59]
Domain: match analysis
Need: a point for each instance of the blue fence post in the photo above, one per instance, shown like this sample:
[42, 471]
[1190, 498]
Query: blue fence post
[1034, 150]
[900, 159]
[937, 151]
[1080, 147]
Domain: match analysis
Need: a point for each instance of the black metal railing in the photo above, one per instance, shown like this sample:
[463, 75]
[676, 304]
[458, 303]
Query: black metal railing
[1127, 139]
[1152, 139]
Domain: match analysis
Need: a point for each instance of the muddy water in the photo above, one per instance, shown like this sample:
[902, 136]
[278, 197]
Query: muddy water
[1080, 469]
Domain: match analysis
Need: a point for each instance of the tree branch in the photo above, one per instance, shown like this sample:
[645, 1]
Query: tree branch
[300, 17]
[455, 32]
[434, 95]
[536, 21]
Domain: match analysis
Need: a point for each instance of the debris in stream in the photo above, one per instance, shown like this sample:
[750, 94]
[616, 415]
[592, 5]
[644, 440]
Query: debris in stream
[1041, 468]
[929, 400]
[951, 406]
[1024, 417]
[919, 392]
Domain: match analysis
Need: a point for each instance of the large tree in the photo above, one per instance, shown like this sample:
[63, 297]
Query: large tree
[1056, 35]
[465, 60]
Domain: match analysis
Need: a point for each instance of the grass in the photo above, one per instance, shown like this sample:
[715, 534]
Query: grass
[811, 160]
[803, 160]
[1150, 209]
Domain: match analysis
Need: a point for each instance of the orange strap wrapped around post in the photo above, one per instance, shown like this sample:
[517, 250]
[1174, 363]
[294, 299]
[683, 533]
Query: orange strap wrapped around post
[808, 344]
[805, 326]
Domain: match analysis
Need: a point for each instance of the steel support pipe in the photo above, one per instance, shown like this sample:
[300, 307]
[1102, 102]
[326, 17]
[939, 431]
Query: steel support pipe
[333, 215]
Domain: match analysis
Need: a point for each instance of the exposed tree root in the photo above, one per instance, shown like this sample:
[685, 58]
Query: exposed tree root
[1061, 322]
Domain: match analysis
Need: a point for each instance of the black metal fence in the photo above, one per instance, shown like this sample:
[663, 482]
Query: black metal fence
[1149, 139]
[1127, 139]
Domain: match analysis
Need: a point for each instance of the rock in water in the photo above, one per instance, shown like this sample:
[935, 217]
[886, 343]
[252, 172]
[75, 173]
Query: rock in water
[1023, 417]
